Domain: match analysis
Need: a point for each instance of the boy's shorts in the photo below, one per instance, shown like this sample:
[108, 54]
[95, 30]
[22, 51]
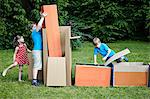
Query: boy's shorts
[37, 57]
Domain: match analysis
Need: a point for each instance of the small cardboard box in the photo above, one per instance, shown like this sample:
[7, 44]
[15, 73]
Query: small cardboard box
[56, 71]
[88, 75]
[130, 74]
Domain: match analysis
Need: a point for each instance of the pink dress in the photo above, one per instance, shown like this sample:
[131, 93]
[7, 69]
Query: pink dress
[21, 56]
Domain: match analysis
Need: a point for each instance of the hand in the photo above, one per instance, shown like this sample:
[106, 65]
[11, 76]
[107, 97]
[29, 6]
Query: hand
[43, 14]
[29, 51]
[104, 58]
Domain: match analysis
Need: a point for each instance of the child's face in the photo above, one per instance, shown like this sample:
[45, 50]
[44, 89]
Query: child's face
[98, 44]
[21, 40]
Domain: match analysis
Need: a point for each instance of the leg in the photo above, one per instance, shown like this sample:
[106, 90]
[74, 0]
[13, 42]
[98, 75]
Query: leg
[11, 66]
[20, 73]
[37, 56]
[112, 73]
[122, 58]
[35, 81]
[35, 73]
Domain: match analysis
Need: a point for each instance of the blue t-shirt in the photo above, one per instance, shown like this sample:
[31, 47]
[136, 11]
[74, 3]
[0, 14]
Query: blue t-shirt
[37, 40]
[103, 50]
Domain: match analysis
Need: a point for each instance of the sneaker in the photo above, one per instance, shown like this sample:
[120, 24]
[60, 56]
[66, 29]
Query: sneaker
[4, 73]
[126, 59]
[119, 60]
[35, 83]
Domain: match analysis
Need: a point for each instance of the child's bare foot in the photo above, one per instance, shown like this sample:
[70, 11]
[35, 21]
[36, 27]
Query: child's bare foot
[21, 80]
[4, 73]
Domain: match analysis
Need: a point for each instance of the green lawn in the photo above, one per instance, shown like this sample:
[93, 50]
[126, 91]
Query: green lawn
[11, 88]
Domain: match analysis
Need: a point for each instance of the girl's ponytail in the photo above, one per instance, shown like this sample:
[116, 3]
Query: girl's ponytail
[15, 41]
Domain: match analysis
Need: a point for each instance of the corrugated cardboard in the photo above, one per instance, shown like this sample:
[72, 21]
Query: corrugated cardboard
[130, 74]
[45, 55]
[56, 71]
[87, 75]
[52, 31]
[66, 50]
[117, 55]
[30, 69]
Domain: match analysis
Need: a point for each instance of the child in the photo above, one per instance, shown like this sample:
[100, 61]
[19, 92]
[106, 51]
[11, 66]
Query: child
[37, 48]
[106, 53]
[20, 55]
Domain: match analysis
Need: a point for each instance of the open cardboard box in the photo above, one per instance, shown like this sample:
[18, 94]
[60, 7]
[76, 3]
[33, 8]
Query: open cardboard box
[92, 75]
[130, 74]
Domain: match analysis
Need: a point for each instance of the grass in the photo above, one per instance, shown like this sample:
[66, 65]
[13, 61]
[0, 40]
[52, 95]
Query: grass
[11, 88]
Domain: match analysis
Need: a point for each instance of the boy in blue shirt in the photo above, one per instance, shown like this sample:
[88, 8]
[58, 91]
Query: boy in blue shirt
[106, 53]
[37, 48]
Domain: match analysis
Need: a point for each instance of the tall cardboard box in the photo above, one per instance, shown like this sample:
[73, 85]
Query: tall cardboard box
[87, 75]
[52, 30]
[45, 55]
[65, 32]
[130, 74]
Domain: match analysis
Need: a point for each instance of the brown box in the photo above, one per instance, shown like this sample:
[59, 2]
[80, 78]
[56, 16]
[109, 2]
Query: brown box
[88, 75]
[30, 68]
[65, 32]
[56, 71]
[130, 74]
[45, 55]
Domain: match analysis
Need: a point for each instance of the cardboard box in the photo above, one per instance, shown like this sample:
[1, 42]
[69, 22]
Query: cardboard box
[130, 74]
[30, 69]
[52, 31]
[56, 71]
[45, 55]
[66, 51]
[88, 75]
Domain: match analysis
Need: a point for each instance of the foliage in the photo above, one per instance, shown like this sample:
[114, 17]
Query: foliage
[107, 19]
[111, 19]
[13, 21]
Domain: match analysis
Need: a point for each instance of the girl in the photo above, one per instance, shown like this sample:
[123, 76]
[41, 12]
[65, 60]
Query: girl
[20, 55]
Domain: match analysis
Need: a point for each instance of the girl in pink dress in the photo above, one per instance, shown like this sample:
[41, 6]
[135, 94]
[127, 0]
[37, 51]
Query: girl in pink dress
[20, 56]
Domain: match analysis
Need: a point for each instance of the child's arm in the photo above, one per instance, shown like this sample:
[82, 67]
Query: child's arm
[95, 59]
[28, 49]
[109, 51]
[43, 15]
[14, 57]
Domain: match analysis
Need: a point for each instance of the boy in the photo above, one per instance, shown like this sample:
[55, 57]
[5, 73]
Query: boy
[106, 53]
[37, 48]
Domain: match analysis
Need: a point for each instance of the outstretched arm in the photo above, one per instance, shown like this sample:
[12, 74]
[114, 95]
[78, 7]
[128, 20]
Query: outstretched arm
[39, 26]
[95, 59]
